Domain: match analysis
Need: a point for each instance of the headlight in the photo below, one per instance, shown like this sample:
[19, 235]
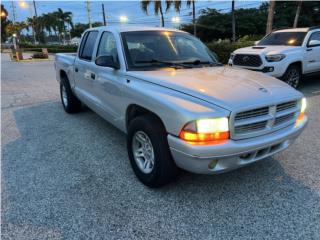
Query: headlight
[275, 57]
[232, 56]
[206, 131]
[302, 111]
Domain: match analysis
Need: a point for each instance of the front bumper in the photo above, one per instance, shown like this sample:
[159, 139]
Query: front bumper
[211, 159]
[274, 69]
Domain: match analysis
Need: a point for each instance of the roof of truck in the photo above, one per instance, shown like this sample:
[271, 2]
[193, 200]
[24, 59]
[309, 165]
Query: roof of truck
[128, 28]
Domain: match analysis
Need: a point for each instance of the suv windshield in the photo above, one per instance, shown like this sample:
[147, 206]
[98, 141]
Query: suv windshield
[284, 38]
[146, 50]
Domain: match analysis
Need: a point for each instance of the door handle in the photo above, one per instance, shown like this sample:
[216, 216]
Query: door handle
[93, 76]
[309, 49]
[76, 69]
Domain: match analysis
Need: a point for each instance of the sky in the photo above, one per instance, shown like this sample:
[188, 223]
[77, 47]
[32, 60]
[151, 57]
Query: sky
[115, 9]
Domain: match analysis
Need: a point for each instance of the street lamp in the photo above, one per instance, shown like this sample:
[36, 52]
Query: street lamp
[123, 19]
[3, 14]
[175, 20]
[23, 4]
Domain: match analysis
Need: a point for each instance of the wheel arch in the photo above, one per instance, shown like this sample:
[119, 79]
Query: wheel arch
[135, 110]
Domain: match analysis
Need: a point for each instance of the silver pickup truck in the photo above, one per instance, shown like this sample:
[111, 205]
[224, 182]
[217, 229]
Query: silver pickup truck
[178, 106]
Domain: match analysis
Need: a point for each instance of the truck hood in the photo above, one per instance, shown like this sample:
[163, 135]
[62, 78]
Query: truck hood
[226, 87]
[265, 50]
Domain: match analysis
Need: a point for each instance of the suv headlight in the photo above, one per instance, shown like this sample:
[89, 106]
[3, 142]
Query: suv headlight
[275, 57]
[206, 131]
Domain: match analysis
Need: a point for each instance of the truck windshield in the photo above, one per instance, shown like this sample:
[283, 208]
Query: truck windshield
[284, 38]
[147, 50]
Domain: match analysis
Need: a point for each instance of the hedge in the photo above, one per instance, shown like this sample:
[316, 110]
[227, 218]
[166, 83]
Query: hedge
[51, 48]
[224, 49]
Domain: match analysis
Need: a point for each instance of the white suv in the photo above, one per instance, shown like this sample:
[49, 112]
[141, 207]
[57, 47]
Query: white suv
[285, 54]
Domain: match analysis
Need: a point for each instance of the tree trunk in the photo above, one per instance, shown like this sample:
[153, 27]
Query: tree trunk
[194, 18]
[233, 22]
[161, 15]
[270, 16]
[296, 19]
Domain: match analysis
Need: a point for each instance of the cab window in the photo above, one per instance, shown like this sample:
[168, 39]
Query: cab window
[89, 41]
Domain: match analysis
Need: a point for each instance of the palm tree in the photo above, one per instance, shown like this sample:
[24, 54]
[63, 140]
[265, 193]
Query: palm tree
[62, 19]
[270, 16]
[296, 19]
[177, 7]
[157, 8]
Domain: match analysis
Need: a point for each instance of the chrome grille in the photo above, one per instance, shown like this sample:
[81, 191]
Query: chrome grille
[252, 113]
[262, 120]
[247, 60]
[250, 127]
[287, 105]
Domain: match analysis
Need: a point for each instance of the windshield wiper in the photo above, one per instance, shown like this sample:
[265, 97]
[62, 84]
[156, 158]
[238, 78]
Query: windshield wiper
[198, 62]
[167, 63]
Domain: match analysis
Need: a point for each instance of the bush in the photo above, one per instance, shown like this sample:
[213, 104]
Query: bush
[224, 49]
[51, 48]
[40, 55]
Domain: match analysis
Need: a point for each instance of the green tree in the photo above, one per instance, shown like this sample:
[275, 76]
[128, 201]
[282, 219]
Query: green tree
[157, 8]
[177, 7]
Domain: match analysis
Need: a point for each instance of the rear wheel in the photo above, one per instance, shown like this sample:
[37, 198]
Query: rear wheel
[293, 76]
[70, 102]
[149, 152]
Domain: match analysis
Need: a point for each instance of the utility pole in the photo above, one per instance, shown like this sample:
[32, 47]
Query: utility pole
[35, 8]
[13, 12]
[14, 35]
[89, 14]
[104, 15]
[34, 22]
[194, 18]
[233, 22]
[272, 4]
[296, 19]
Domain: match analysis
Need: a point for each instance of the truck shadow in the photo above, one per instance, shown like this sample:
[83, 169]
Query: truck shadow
[71, 173]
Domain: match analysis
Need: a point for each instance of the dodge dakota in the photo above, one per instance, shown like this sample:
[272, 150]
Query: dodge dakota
[178, 106]
[287, 54]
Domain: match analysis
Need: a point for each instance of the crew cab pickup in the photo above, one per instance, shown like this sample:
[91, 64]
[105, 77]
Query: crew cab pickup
[178, 106]
[286, 54]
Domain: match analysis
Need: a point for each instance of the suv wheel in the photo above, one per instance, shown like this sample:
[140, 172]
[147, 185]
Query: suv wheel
[149, 151]
[70, 102]
[292, 76]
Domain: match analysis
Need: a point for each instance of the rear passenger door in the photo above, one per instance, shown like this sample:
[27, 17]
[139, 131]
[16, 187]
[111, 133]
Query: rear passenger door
[83, 68]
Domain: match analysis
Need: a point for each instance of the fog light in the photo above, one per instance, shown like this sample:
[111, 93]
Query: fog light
[213, 164]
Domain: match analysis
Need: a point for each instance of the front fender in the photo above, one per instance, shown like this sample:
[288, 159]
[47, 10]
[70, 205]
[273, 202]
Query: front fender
[174, 108]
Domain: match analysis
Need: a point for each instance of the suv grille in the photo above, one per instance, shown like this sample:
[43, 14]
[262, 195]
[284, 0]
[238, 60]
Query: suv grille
[263, 120]
[247, 60]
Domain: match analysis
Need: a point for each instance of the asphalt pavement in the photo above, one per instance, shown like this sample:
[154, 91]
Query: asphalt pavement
[68, 177]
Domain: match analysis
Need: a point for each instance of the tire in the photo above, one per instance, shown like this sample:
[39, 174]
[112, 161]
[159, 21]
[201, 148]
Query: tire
[293, 76]
[70, 102]
[163, 170]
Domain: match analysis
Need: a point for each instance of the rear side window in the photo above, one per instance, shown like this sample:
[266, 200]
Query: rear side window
[86, 49]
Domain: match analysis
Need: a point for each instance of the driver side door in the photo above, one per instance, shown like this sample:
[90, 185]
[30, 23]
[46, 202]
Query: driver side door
[108, 82]
[313, 54]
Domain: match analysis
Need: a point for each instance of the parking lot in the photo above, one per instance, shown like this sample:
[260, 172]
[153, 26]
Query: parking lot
[68, 177]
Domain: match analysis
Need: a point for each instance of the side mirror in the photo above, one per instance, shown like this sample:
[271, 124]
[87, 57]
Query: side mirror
[256, 43]
[314, 43]
[107, 61]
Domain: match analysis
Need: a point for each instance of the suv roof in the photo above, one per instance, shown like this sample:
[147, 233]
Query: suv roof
[306, 29]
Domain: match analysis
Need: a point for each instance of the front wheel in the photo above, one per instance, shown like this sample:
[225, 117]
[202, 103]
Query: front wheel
[149, 152]
[293, 76]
